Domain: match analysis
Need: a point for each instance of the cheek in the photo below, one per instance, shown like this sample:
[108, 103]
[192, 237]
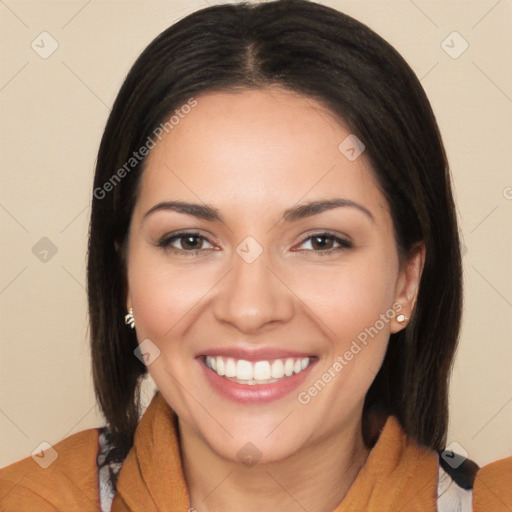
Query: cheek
[162, 294]
[350, 297]
[353, 305]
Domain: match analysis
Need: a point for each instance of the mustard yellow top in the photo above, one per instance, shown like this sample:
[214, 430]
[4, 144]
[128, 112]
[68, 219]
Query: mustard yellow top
[398, 475]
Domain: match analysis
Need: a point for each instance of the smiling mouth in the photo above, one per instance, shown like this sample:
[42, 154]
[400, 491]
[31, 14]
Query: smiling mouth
[261, 372]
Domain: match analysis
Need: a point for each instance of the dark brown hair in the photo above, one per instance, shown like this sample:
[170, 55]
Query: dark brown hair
[321, 53]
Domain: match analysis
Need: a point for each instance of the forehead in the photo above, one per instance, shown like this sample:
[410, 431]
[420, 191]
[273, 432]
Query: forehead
[256, 149]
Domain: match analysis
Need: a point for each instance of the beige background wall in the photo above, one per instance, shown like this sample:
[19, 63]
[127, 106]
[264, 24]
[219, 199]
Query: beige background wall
[53, 111]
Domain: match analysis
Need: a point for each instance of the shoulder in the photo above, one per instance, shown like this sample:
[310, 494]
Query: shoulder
[464, 487]
[60, 477]
[493, 487]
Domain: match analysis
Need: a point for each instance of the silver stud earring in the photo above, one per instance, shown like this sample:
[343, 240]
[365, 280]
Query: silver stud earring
[129, 319]
[401, 319]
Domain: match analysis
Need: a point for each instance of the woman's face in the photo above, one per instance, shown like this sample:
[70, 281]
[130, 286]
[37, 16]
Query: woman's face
[294, 305]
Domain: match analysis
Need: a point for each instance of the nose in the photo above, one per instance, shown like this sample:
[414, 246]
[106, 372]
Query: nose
[252, 296]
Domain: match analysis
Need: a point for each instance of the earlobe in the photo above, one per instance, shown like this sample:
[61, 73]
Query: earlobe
[408, 286]
[129, 319]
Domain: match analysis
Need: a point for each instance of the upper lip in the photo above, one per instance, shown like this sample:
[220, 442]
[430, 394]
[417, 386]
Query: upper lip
[256, 354]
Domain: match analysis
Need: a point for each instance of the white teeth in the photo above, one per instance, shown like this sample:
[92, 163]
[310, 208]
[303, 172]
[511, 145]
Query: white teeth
[260, 372]
[230, 367]
[277, 370]
[221, 369]
[244, 370]
[288, 367]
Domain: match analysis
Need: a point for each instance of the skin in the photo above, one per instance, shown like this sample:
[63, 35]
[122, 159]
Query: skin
[252, 155]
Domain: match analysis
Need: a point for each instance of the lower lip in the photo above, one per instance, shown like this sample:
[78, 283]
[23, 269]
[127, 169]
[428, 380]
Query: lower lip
[257, 393]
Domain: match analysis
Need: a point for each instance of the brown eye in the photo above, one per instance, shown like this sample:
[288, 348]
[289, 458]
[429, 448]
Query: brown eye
[188, 242]
[324, 243]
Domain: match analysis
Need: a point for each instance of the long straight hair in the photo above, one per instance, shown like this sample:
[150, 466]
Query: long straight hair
[326, 55]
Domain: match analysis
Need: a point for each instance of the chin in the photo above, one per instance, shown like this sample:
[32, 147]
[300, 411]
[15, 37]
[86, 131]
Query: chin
[255, 452]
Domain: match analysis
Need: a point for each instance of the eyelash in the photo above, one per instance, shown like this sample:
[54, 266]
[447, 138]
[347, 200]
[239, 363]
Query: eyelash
[165, 242]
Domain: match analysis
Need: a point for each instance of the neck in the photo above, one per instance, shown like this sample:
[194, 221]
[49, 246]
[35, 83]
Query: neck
[324, 470]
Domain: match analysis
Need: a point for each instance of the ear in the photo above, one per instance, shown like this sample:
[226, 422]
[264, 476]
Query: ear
[407, 286]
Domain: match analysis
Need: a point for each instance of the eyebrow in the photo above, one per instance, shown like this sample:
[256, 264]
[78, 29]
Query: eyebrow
[301, 211]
